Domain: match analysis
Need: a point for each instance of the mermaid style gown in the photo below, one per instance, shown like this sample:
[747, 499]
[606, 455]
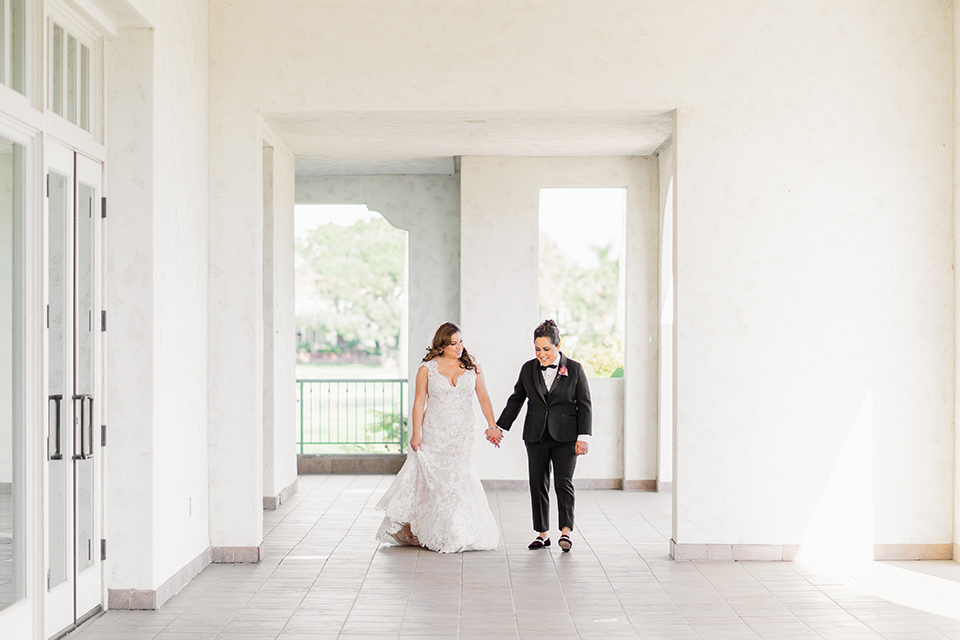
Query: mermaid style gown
[437, 496]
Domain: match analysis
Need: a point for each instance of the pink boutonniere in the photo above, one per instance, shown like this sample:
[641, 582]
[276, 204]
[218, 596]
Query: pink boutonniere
[562, 371]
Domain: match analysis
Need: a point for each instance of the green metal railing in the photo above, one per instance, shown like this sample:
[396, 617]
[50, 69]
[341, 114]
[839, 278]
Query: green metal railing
[352, 416]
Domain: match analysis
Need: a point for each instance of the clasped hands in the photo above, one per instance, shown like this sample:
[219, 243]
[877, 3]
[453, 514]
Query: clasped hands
[494, 435]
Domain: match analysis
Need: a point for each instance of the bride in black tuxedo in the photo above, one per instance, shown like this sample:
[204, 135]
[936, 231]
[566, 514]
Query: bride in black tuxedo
[555, 431]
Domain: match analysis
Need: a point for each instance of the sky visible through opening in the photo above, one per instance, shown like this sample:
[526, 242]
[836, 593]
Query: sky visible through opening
[579, 219]
[308, 217]
[581, 279]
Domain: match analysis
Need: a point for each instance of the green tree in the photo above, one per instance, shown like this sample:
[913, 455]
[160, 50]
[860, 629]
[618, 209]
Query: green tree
[583, 301]
[349, 283]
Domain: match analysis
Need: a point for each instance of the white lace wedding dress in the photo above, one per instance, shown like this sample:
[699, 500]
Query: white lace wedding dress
[437, 492]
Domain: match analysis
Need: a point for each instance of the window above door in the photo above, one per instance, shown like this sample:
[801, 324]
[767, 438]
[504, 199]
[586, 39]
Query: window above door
[12, 44]
[74, 69]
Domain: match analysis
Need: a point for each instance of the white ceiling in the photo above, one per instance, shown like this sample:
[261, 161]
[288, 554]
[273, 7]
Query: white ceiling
[427, 142]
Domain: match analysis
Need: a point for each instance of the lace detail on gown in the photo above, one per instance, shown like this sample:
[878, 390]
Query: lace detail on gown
[437, 492]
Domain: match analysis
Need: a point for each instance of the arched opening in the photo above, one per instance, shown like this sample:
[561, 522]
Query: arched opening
[351, 328]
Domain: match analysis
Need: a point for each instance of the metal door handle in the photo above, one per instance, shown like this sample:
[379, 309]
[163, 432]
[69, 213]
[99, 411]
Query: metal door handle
[86, 447]
[85, 437]
[55, 424]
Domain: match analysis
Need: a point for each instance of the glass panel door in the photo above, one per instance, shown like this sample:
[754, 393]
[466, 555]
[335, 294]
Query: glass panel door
[73, 432]
[87, 393]
[11, 373]
[58, 466]
[59, 609]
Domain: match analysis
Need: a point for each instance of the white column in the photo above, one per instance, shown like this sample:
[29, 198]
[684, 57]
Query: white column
[236, 328]
[280, 432]
[499, 304]
[269, 391]
[667, 175]
[956, 253]
[130, 264]
[641, 337]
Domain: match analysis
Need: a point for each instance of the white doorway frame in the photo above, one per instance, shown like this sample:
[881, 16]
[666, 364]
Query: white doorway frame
[81, 594]
[24, 618]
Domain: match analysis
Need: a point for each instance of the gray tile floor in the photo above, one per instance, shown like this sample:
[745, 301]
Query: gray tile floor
[6, 546]
[325, 576]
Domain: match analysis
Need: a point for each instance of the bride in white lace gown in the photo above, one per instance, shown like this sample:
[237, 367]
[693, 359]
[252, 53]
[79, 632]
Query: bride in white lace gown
[436, 500]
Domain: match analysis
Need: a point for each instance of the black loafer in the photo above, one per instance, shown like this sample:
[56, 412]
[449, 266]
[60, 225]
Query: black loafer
[539, 543]
[565, 543]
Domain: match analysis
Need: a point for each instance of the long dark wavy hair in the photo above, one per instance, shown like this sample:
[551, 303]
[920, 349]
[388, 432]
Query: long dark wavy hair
[442, 339]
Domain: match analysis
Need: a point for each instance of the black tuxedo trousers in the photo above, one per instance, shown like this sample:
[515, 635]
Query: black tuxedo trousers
[562, 456]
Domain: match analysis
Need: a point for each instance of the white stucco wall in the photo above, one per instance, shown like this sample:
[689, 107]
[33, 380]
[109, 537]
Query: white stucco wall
[130, 349]
[499, 304]
[642, 343]
[956, 253]
[428, 208]
[667, 163]
[815, 161]
[235, 331]
[157, 259]
[269, 389]
[814, 370]
[180, 285]
[280, 433]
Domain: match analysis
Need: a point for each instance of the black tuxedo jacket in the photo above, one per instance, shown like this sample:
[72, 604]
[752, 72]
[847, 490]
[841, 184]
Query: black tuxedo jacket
[566, 410]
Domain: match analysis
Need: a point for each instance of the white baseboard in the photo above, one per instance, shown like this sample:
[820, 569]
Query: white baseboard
[788, 552]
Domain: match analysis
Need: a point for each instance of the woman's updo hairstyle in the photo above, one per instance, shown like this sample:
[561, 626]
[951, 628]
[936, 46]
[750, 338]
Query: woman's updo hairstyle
[548, 329]
[442, 339]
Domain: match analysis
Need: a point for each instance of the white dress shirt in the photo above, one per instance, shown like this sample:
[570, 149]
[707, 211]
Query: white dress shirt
[550, 374]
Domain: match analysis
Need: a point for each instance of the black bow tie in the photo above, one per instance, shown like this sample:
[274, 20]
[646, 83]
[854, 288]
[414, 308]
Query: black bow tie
[549, 366]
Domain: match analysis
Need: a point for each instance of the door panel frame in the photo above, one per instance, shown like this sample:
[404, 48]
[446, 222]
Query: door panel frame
[82, 593]
[58, 605]
[23, 618]
[90, 581]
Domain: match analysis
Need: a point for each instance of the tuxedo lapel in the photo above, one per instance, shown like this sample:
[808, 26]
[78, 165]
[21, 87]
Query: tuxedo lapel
[538, 382]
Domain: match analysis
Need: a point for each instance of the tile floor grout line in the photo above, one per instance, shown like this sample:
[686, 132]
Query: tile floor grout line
[617, 529]
[320, 517]
[853, 615]
[295, 504]
[360, 512]
[506, 555]
[460, 603]
[293, 508]
[222, 627]
[727, 602]
[652, 571]
[277, 566]
[604, 570]
[413, 578]
[832, 599]
[566, 603]
[767, 589]
[652, 525]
